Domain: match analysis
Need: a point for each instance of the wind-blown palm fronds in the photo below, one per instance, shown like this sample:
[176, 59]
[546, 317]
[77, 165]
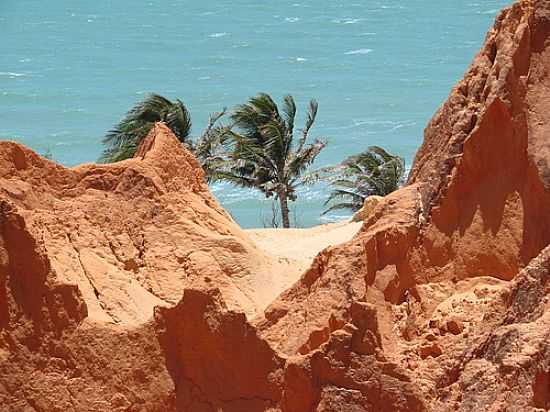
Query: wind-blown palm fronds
[122, 141]
[373, 172]
[210, 146]
[262, 151]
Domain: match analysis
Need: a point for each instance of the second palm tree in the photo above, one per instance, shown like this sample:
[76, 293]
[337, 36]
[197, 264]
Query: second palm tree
[263, 151]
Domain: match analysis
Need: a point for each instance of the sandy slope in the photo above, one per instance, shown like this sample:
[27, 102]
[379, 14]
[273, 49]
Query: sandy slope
[299, 246]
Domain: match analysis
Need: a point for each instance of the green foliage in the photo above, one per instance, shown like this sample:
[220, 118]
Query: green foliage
[209, 147]
[373, 172]
[262, 151]
[123, 140]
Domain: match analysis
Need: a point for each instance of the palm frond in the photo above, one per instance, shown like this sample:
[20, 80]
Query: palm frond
[304, 158]
[340, 206]
[211, 144]
[178, 119]
[310, 119]
[345, 194]
[259, 146]
[275, 141]
[323, 174]
[373, 172]
[122, 141]
[348, 184]
[233, 178]
[289, 110]
[212, 121]
[384, 155]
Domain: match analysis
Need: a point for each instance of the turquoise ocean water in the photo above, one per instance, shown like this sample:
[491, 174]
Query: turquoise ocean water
[379, 69]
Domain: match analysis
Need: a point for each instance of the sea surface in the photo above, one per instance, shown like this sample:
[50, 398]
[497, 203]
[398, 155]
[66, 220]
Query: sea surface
[380, 69]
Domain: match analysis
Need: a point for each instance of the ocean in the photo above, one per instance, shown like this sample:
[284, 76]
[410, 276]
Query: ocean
[379, 70]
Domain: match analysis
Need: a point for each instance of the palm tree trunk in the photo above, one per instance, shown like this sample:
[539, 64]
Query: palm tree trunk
[284, 208]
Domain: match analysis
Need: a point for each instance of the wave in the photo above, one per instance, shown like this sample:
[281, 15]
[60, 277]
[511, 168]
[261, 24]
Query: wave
[230, 195]
[373, 127]
[346, 21]
[12, 75]
[393, 124]
[40, 23]
[292, 19]
[359, 51]
[216, 35]
[492, 11]
[331, 218]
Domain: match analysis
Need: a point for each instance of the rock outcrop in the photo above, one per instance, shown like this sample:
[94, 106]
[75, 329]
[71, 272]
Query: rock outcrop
[86, 255]
[436, 258]
[126, 287]
[483, 168]
[368, 206]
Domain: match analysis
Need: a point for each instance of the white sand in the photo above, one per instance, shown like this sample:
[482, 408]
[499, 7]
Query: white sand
[300, 246]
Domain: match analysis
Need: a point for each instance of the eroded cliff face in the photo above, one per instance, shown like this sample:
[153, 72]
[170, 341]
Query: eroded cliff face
[86, 255]
[126, 287]
[436, 258]
[483, 167]
[435, 261]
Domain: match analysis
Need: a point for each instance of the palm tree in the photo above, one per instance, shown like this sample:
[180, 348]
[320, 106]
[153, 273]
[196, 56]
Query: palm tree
[373, 172]
[263, 152]
[122, 142]
[209, 148]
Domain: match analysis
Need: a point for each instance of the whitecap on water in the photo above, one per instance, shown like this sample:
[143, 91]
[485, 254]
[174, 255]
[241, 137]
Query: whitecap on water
[292, 19]
[240, 45]
[493, 11]
[346, 21]
[12, 75]
[359, 51]
[404, 124]
[216, 35]
[330, 218]
[390, 124]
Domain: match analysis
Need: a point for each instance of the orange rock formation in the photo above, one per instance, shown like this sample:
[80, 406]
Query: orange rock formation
[126, 287]
[87, 253]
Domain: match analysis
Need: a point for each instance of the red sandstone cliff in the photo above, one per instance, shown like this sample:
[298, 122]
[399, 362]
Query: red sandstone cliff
[125, 287]
[85, 256]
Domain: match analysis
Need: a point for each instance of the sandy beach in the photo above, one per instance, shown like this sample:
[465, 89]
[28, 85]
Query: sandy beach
[298, 247]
